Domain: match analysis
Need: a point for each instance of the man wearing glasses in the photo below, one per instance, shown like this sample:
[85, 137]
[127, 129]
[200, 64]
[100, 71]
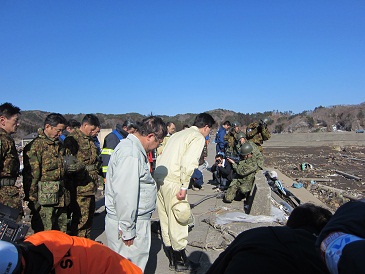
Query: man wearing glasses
[130, 192]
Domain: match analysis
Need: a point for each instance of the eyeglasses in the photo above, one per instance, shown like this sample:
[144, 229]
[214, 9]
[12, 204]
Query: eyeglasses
[157, 139]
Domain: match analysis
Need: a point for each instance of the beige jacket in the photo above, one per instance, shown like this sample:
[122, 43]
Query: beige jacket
[180, 157]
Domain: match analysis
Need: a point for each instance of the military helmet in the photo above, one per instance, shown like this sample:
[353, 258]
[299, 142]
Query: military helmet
[245, 149]
[235, 124]
[240, 135]
[265, 120]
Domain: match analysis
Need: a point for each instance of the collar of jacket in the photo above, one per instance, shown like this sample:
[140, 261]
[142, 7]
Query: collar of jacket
[78, 132]
[120, 129]
[134, 139]
[42, 135]
[3, 132]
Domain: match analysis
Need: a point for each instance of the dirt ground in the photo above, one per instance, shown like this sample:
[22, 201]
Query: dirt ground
[333, 163]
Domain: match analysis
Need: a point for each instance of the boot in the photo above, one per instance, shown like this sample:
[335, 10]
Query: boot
[170, 256]
[183, 264]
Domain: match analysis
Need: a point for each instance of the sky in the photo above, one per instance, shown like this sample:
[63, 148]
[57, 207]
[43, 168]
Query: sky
[176, 57]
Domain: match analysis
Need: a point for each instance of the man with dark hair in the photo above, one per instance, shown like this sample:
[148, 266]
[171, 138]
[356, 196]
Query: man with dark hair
[9, 160]
[222, 171]
[112, 140]
[130, 192]
[219, 137]
[287, 249]
[43, 176]
[171, 128]
[173, 172]
[83, 154]
[70, 127]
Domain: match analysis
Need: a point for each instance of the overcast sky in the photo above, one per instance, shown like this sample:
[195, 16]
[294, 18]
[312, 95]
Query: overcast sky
[173, 57]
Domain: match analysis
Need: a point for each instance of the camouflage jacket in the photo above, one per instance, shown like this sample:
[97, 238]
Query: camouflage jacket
[256, 153]
[229, 138]
[245, 170]
[43, 162]
[83, 148]
[257, 133]
[9, 160]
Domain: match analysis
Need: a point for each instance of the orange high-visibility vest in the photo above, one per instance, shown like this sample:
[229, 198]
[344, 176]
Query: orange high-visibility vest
[73, 254]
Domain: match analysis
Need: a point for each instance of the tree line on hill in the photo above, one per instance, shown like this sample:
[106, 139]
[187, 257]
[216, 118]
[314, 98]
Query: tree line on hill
[340, 117]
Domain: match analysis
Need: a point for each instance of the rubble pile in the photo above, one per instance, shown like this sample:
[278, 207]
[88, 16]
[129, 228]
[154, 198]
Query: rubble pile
[334, 174]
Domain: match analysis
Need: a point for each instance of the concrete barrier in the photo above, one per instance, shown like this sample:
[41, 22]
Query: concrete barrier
[259, 201]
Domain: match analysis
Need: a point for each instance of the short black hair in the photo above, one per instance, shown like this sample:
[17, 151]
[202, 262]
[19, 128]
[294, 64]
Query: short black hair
[227, 123]
[8, 110]
[54, 119]
[204, 119]
[152, 124]
[91, 119]
[129, 123]
[73, 123]
[219, 156]
[309, 216]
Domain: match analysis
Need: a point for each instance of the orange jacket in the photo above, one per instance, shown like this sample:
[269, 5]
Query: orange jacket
[80, 255]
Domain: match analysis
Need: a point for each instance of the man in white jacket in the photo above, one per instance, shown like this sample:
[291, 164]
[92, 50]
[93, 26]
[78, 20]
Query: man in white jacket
[130, 192]
[173, 172]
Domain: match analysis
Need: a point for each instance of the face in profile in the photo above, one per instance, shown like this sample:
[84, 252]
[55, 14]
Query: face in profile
[10, 125]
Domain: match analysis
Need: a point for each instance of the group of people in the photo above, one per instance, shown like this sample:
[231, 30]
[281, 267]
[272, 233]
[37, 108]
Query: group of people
[63, 167]
[132, 193]
[239, 157]
[60, 178]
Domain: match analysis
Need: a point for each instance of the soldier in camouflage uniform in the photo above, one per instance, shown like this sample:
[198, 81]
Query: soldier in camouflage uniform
[258, 133]
[80, 144]
[231, 138]
[9, 160]
[241, 139]
[244, 176]
[43, 176]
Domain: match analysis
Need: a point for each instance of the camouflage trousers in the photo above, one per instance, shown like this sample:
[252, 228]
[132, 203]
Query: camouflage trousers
[83, 209]
[49, 218]
[10, 196]
[237, 185]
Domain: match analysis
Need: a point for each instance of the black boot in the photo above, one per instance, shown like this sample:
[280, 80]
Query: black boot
[183, 264]
[170, 256]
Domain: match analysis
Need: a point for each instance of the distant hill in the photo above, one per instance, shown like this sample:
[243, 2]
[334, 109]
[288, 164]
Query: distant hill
[344, 117]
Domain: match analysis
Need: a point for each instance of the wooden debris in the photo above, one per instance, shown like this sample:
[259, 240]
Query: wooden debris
[354, 159]
[339, 192]
[348, 175]
[315, 179]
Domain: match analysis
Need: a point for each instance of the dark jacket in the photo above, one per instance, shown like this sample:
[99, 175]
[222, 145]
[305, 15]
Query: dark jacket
[219, 139]
[270, 250]
[224, 171]
[110, 142]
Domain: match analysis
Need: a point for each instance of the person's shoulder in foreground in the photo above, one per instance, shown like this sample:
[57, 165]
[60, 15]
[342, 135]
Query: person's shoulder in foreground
[287, 249]
[342, 241]
[52, 250]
